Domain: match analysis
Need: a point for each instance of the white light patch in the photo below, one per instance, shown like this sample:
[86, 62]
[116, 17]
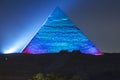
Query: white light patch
[11, 50]
[14, 48]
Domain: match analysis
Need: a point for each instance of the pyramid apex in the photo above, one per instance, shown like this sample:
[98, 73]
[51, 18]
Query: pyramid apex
[58, 13]
[57, 9]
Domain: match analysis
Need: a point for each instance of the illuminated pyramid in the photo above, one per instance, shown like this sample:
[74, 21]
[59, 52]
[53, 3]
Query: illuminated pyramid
[59, 33]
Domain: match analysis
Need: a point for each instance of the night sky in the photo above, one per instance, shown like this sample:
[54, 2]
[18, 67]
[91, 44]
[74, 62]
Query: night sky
[98, 19]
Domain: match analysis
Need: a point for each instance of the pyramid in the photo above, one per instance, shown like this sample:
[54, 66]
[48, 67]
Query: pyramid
[59, 33]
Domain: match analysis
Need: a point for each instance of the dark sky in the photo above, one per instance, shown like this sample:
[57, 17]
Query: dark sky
[98, 19]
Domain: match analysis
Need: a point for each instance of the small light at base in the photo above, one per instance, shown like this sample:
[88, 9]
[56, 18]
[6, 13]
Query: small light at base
[15, 48]
[11, 50]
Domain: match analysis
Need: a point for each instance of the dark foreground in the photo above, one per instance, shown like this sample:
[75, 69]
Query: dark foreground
[23, 66]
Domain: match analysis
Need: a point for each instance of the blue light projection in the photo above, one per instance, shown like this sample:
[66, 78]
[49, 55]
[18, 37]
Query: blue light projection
[59, 33]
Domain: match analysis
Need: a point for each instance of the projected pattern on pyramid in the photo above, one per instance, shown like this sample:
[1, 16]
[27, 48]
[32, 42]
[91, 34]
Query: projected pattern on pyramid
[59, 33]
